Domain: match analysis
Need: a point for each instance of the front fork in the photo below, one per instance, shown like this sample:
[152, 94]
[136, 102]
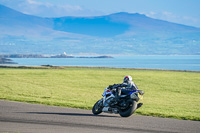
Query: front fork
[100, 102]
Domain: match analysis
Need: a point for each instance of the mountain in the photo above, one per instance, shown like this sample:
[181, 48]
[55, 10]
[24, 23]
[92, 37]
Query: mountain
[116, 24]
[118, 33]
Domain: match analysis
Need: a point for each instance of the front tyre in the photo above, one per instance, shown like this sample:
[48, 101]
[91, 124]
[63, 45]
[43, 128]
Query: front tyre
[97, 108]
[130, 110]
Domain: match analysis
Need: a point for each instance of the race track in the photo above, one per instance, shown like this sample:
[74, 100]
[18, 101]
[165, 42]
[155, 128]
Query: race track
[32, 118]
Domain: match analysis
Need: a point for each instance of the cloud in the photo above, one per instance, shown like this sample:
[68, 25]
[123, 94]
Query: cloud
[46, 9]
[33, 2]
[171, 17]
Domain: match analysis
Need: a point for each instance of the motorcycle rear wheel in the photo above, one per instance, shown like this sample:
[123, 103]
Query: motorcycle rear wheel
[129, 111]
[97, 108]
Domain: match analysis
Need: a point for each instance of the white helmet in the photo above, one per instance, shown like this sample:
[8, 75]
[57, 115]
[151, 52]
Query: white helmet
[127, 79]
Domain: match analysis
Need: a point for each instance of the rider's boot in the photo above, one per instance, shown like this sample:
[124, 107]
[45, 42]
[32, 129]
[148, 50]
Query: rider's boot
[139, 105]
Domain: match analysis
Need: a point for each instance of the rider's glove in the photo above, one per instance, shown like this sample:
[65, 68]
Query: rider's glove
[110, 87]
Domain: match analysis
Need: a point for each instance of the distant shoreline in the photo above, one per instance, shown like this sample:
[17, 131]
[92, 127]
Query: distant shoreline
[5, 58]
[6, 61]
[48, 56]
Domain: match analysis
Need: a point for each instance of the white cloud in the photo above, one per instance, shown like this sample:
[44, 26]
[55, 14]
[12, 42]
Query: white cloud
[161, 15]
[171, 17]
[152, 13]
[46, 9]
[33, 2]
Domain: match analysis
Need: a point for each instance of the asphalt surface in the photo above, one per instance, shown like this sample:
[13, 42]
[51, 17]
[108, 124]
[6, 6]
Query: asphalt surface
[33, 118]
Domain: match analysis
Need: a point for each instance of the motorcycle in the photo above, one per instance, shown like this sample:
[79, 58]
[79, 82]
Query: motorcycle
[118, 101]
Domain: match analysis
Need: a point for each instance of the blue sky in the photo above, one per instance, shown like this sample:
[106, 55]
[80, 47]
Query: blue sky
[179, 11]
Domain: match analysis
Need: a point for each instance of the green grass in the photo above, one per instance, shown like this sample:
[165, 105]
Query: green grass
[167, 94]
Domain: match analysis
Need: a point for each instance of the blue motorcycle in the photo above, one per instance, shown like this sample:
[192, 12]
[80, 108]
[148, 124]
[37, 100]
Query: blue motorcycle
[119, 101]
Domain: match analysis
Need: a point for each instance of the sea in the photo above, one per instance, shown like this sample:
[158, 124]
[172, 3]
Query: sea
[190, 63]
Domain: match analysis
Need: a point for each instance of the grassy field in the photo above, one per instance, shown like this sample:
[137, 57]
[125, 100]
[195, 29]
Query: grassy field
[167, 93]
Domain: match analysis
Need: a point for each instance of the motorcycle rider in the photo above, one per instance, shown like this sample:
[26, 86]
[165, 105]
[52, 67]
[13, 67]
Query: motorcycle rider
[128, 84]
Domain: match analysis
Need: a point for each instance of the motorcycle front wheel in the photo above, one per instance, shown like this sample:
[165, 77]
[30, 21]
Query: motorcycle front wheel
[97, 108]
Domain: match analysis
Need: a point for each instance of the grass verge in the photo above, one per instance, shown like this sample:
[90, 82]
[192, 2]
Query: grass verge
[167, 93]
